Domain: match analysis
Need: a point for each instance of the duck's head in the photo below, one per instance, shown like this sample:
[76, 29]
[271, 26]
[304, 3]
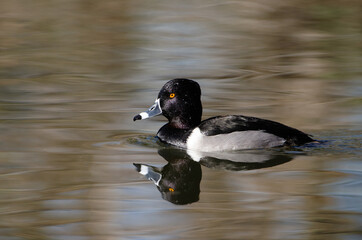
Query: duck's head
[179, 100]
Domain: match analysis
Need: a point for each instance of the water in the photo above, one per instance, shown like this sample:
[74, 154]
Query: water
[74, 73]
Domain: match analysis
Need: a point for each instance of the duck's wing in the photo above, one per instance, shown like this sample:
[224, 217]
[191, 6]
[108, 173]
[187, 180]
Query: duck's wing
[238, 123]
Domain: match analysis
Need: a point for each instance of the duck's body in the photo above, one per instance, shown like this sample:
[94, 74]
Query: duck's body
[179, 101]
[233, 132]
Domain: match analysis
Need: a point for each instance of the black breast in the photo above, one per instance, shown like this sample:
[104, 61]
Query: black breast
[174, 136]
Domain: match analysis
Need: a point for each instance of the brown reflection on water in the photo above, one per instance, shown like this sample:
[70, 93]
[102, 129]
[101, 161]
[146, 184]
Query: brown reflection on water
[74, 73]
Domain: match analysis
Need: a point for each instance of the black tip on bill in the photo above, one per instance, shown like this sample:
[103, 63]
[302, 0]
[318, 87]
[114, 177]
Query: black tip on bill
[138, 166]
[137, 117]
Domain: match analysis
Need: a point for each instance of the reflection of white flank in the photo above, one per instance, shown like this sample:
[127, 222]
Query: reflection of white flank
[144, 115]
[234, 156]
[195, 155]
[144, 170]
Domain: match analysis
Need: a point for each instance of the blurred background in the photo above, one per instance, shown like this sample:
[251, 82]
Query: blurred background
[73, 74]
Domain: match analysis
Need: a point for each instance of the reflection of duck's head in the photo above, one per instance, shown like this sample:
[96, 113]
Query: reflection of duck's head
[179, 180]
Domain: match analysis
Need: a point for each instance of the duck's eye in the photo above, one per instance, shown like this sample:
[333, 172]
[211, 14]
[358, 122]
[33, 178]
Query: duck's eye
[172, 95]
[171, 190]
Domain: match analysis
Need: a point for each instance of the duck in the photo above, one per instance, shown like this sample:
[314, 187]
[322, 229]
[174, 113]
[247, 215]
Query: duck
[179, 100]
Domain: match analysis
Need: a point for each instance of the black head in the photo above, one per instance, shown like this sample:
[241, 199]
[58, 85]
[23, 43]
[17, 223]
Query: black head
[180, 101]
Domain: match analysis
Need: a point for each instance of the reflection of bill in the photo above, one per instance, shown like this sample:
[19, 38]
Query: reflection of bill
[179, 180]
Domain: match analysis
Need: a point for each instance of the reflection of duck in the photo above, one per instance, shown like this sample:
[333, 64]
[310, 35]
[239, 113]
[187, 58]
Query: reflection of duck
[179, 101]
[179, 180]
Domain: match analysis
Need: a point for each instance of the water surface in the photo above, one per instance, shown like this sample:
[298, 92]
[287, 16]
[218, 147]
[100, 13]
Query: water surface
[74, 73]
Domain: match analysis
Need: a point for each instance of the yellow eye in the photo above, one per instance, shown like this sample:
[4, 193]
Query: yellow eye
[172, 95]
[171, 189]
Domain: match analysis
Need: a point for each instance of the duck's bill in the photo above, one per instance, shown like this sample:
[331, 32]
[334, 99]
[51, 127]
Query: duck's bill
[154, 110]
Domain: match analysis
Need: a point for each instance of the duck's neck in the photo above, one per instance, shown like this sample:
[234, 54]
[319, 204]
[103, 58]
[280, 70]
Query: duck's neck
[184, 123]
[174, 136]
[187, 117]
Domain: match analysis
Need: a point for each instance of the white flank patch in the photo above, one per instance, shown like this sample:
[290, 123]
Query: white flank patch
[232, 141]
[195, 155]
